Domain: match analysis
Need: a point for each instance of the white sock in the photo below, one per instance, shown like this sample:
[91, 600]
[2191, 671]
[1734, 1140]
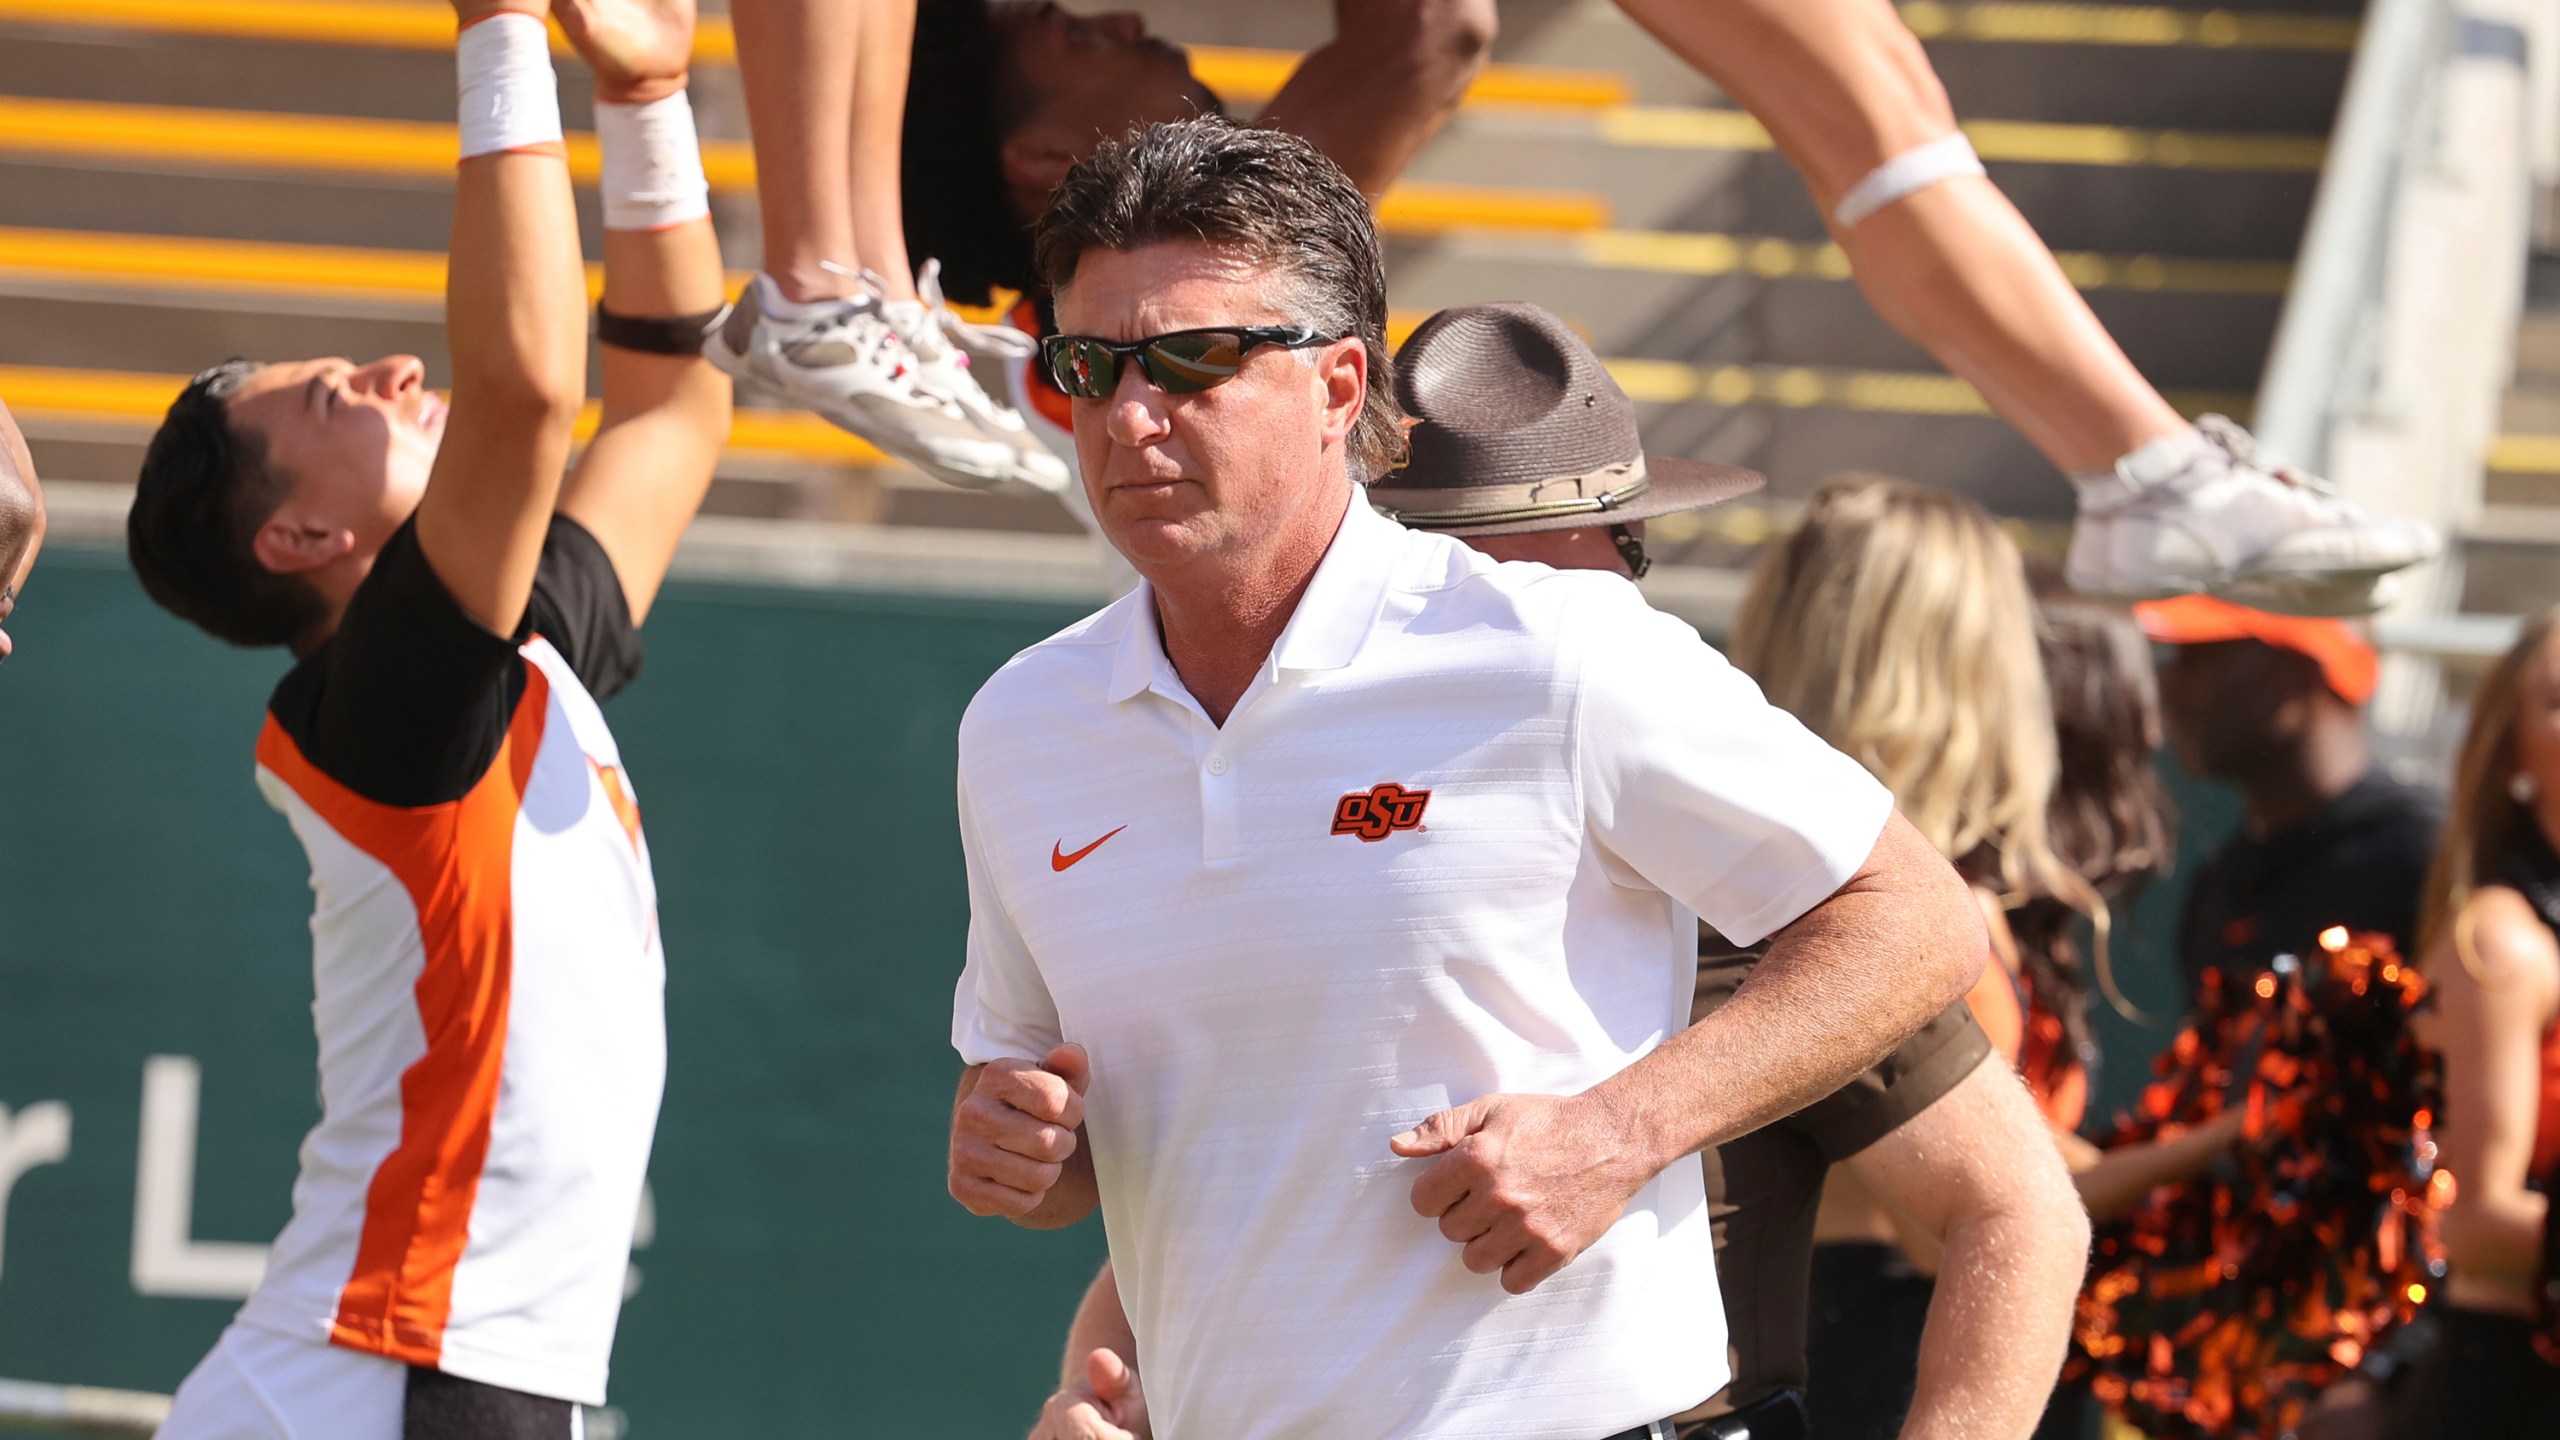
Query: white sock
[773, 302]
[2155, 463]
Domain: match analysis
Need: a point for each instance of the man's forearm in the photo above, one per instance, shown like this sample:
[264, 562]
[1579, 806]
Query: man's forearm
[666, 411]
[1854, 977]
[651, 274]
[1101, 1323]
[515, 325]
[666, 417]
[1978, 1173]
[1998, 1320]
[515, 297]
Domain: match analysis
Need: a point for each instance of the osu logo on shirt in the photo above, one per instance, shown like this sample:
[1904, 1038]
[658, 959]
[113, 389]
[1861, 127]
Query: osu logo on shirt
[1379, 811]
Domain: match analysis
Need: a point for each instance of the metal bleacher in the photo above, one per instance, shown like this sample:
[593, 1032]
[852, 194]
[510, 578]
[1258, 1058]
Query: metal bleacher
[182, 180]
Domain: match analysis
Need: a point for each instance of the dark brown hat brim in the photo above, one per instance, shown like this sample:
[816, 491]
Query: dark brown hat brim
[1677, 485]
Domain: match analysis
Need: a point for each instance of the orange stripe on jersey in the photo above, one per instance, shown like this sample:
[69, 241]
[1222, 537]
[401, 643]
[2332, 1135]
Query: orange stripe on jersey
[625, 809]
[456, 861]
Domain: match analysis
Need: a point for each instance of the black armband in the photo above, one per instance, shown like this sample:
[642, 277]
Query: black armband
[657, 334]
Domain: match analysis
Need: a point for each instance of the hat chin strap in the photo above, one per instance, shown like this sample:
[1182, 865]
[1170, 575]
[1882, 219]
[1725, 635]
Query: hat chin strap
[1631, 550]
[1597, 492]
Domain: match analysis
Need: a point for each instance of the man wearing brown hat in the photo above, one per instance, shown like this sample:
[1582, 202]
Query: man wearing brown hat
[1333, 895]
[1935, 1126]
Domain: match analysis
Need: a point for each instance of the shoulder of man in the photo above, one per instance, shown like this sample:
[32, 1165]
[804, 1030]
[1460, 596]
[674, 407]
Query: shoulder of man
[409, 700]
[1075, 663]
[579, 606]
[1576, 605]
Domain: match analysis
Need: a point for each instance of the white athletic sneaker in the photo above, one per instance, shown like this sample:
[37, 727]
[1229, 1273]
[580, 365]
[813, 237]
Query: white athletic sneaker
[967, 363]
[847, 361]
[2200, 512]
[990, 348]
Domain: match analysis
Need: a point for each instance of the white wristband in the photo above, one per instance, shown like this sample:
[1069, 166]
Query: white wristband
[652, 164]
[1916, 169]
[510, 98]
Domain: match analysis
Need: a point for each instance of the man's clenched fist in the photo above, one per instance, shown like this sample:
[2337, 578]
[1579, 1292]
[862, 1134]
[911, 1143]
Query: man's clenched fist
[1013, 1136]
[1525, 1182]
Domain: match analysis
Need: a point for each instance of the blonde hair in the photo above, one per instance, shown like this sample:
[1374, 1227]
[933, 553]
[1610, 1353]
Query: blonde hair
[1897, 625]
[2483, 823]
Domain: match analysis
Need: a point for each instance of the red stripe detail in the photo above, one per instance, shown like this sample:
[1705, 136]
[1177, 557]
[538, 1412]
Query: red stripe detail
[456, 860]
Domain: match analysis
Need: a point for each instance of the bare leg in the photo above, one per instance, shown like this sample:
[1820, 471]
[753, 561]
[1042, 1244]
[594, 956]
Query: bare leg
[797, 59]
[1956, 268]
[826, 90]
[1843, 86]
[878, 119]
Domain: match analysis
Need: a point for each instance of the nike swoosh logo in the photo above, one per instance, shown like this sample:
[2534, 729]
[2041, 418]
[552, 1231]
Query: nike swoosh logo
[1060, 860]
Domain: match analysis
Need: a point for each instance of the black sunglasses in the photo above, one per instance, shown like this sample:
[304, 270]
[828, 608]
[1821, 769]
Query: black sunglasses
[1180, 362]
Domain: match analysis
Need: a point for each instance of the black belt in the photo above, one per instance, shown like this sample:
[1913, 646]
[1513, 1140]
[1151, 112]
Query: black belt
[1658, 1430]
[1773, 1417]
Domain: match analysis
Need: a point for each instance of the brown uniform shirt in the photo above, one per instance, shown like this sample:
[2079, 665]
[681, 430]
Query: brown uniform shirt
[1763, 1189]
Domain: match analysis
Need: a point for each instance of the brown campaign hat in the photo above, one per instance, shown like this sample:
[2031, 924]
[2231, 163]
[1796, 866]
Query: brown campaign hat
[1520, 428]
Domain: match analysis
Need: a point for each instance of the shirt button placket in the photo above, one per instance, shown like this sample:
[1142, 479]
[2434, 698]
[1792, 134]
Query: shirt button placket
[1217, 808]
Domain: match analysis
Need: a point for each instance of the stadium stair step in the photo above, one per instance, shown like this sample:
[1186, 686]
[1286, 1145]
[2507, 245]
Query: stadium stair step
[2511, 549]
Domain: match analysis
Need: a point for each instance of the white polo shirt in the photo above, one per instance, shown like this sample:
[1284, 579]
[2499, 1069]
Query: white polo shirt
[1453, 840]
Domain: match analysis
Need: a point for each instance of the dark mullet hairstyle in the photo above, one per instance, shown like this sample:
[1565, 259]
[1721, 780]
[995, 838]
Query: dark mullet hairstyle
[1265, 194]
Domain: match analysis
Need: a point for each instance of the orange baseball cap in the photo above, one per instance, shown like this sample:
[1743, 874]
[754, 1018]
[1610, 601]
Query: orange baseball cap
[2346, 658]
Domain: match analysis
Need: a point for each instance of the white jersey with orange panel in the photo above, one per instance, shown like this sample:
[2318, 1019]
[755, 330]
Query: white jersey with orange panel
[488, 980]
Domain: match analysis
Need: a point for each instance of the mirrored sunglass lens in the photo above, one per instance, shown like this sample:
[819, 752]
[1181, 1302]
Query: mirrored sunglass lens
[1181, 364]
[1084, 368]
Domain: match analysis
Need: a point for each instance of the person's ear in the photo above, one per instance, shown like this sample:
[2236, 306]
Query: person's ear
[289, 544]
[1342, 368]
[1035, 164]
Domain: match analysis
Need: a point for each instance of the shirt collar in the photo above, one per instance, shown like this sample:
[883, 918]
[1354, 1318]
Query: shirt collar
[1325, 632]
[1340, 607]
[1139, 651]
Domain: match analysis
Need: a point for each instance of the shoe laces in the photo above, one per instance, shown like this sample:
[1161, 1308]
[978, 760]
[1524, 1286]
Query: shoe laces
[1003, 339]
[2234, 440]
[923, 337]
[878, 345]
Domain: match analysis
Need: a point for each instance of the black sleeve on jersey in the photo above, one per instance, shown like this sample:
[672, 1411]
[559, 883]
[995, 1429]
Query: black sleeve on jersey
[578, 606]
[409, 701]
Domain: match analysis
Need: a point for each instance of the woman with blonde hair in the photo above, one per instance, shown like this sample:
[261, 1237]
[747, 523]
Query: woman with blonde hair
[1897, 624]
[2492, 925]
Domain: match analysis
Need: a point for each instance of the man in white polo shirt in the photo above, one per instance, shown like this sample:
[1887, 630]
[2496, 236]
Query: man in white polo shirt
[1333, 895]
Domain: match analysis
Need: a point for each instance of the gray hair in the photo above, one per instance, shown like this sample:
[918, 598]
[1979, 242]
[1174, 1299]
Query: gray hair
[1264, 193]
